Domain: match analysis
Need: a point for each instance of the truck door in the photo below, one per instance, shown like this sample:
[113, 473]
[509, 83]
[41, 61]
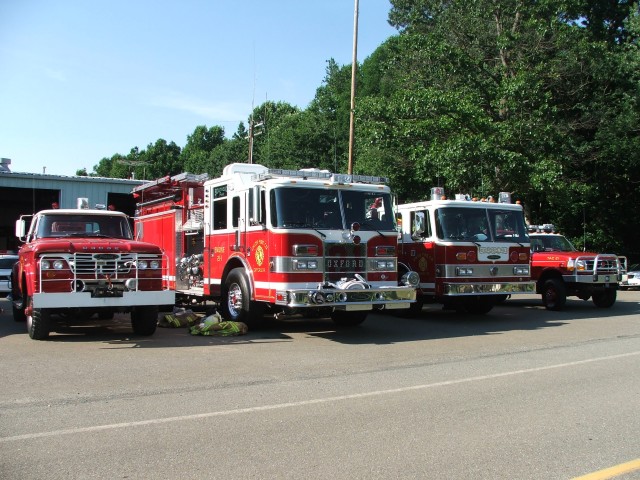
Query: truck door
[258, 240]
[218, 235]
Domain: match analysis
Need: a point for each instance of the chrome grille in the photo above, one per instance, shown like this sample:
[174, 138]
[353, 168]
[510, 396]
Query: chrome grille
[604, 266]
[96, 264]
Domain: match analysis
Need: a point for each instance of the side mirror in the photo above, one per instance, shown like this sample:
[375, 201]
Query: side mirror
[20, 229]
[139, 228]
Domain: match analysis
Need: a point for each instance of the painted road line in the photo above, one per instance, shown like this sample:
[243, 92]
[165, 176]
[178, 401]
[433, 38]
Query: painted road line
[314, 401]
[612, 472]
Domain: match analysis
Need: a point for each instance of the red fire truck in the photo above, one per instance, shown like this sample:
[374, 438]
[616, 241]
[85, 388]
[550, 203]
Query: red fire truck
[470, 255]
[76, 263]
[560, 270]
[259, 240]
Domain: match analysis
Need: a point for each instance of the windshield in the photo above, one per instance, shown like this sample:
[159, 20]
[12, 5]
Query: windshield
[551, 243]
[481, 225]
[56, 226]
[330, 209]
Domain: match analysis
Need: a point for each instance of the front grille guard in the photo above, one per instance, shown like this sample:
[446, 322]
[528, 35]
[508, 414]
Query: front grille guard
[598, 266]
[98, 270]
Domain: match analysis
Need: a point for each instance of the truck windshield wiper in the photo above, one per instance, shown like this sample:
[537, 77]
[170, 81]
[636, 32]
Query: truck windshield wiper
[367, 224]
[83, 234]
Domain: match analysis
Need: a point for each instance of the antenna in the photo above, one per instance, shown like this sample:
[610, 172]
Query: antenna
[353, 87]
[584, 228]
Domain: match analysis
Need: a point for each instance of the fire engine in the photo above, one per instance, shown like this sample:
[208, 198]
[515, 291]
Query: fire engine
[259, 240]
[470, 255]
[560, 270]
[76, 263]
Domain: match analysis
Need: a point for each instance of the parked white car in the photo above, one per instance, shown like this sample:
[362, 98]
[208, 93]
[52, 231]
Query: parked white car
[6, 264]
[631, 279]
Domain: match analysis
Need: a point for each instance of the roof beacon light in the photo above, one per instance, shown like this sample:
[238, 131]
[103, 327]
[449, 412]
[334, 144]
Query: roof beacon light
[504, 197]
[437, 193]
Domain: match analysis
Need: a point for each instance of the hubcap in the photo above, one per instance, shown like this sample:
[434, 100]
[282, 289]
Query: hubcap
[234, 300]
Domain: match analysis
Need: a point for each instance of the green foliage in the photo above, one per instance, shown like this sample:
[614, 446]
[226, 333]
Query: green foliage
[197, 155]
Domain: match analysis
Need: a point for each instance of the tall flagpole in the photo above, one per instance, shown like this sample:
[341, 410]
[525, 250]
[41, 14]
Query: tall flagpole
[353, 87]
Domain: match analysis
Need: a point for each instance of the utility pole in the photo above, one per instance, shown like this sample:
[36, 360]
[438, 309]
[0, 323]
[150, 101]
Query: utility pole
[353, 87]
[252, 134]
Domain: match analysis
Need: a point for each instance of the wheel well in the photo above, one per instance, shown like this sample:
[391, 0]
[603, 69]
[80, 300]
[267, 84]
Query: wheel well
[547, 275]
[238, 263]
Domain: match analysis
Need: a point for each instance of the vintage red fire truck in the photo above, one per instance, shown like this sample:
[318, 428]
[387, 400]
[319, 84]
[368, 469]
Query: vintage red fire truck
[77, 263]
[259, 240]
[560, 270]
[470, 255]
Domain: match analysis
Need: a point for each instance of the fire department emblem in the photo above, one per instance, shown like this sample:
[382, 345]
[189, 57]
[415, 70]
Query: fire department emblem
[259, 255]
[422, 264]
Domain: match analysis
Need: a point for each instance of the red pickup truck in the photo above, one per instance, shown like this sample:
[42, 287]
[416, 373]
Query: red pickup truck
[76, 263]
[560, 270]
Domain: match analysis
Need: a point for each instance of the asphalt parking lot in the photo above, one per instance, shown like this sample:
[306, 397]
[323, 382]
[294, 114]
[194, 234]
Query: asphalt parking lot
[444, 395]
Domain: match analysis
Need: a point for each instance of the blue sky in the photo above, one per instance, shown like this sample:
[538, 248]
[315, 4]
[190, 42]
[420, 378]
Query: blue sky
[82, 80]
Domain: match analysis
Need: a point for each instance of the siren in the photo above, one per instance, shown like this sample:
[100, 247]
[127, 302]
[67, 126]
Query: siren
[437, 193]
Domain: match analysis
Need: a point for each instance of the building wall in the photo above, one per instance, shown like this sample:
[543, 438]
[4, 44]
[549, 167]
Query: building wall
[27, 193]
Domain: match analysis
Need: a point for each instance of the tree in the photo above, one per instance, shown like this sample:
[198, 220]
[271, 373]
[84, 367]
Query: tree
[158, 160]
[196, 155]
[509, 95]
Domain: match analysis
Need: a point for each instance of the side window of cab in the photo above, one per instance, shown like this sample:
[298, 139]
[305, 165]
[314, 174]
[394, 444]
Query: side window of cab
[420, 224]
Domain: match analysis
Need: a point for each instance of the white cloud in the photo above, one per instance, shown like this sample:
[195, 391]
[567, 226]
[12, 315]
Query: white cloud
[217, 111]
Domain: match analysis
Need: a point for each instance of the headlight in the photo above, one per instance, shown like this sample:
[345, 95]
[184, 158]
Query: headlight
[386, 265]
[142, 264]
[154, 264]
[45, 264]
[306, 264]
[579, 265]
[59, 264]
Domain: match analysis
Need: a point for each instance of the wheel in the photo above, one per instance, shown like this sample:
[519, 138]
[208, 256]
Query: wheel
[236, 299]
[17, 301]
[498, 299]
[344, 318]
[18, 311]
[144, 320]
[605, 298]
[38, 323]
[554, 294]
[414, 310]
[478, 306]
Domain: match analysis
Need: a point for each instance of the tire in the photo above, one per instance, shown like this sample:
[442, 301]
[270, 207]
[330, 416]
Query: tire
[605, 298]
[554, 294]
[144, 320]
[344, 318]
[18, 302]
[499, 299]
[414, 310]
[18, 312]
[236, 302]
[478, 306]
[38, 323]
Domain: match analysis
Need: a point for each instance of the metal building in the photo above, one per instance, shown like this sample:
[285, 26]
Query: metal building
[27, 193]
